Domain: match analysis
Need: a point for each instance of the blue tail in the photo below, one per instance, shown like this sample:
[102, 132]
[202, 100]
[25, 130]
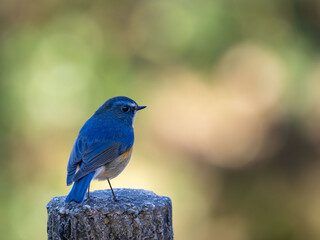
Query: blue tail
[79, 188]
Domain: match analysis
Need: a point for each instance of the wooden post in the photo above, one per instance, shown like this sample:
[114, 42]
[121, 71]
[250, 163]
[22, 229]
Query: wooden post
[138, 214]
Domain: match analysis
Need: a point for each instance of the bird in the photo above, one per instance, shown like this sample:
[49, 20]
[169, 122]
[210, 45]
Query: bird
[103, 147]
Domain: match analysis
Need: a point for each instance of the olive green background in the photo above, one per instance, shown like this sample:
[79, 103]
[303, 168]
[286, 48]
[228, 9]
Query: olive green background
[232, 129]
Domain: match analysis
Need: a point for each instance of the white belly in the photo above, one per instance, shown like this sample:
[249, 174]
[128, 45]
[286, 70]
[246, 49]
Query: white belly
[113, 168]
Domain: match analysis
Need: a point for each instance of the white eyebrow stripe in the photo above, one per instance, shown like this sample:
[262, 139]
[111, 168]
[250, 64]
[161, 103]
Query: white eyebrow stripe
[126, 103]
[131, 104]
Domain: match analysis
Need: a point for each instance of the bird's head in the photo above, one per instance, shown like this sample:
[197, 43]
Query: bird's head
[121, 107]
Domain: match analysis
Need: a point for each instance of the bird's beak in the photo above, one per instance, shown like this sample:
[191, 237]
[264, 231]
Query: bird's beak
[140, 107]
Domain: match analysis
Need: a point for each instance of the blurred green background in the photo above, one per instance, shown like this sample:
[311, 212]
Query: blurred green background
[232, 128]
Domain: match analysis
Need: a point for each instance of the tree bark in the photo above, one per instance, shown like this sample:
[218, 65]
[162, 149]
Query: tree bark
[138, 214]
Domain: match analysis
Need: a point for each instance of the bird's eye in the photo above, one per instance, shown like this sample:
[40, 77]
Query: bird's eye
[125, 109]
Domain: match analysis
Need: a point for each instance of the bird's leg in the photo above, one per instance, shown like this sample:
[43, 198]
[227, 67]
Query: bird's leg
[114, 196]
[88, 196]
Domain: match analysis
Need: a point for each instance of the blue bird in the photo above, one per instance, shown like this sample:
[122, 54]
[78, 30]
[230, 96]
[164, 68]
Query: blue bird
[103, 147]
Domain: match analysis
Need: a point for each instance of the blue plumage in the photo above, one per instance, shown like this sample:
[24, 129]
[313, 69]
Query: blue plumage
[102, 146]
[79, 188]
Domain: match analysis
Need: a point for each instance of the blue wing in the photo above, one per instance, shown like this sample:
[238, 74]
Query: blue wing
[75, 159]
[95, 146]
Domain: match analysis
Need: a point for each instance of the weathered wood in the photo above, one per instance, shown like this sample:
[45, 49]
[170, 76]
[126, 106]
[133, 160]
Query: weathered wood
[138, 214]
